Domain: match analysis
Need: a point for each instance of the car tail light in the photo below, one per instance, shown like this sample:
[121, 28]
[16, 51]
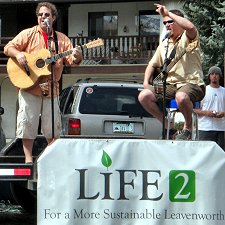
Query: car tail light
[74, 126]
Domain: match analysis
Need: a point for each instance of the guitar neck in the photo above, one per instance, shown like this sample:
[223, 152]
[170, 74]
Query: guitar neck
[63, 54]
[69, 52]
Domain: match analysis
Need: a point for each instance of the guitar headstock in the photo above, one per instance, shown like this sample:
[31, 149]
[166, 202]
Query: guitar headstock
[94, 44]
[192, 46]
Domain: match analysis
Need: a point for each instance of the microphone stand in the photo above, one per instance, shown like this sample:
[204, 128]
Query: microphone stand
[52, 60]
[164, 72]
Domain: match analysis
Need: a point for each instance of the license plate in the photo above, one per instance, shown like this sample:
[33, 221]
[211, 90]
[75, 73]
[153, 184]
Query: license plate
[125, 128]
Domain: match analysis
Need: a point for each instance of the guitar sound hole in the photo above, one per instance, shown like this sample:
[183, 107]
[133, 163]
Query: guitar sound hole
[40, 63]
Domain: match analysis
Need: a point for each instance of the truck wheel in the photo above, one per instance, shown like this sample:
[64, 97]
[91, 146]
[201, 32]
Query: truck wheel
[24, 197]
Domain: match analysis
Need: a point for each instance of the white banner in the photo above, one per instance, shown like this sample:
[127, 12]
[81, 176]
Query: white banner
[131, 182]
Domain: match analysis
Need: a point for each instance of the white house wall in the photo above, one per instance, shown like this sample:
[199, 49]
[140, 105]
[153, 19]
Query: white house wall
[78, 15]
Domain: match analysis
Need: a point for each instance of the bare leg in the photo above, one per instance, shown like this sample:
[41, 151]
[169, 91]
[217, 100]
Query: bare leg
[148, 101]
[186, 107]
[27, 148]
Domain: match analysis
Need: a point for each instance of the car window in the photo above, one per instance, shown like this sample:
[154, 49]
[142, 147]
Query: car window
[66, 99]
[111, 101]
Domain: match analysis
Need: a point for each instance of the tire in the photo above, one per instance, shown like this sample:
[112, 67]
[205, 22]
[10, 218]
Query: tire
[24, 197]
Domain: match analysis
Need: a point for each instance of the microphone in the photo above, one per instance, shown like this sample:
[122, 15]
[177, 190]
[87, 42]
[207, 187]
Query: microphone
[167, 35]
[46, 21]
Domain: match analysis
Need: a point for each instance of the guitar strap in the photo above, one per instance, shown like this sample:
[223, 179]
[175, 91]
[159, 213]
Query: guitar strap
[157, 79]
[172, 55]
[56, 42]
[173, 52]
[45, 36]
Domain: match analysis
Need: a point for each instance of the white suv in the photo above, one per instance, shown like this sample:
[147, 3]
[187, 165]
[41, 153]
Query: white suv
[106, 108]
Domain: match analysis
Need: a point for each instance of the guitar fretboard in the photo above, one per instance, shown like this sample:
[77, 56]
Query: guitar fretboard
[58, 56]
[63, 54]
[92, 44]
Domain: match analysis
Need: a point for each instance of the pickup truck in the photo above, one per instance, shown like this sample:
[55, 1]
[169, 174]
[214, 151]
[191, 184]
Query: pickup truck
[89, 109]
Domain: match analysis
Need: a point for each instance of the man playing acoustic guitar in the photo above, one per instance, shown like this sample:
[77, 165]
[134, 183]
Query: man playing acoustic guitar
[184, 81]
[36, 99]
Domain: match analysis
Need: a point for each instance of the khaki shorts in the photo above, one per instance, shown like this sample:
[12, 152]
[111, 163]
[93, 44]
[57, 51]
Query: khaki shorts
[196, 93]
[31, 107]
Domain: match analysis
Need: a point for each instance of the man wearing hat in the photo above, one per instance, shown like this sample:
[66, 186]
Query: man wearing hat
[211, 121]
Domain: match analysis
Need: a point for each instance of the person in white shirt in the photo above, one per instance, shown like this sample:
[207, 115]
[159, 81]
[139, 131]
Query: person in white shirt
[211, 120]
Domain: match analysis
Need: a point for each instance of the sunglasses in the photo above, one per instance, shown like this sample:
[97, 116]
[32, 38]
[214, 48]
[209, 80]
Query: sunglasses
[168, 21]
[45, 14]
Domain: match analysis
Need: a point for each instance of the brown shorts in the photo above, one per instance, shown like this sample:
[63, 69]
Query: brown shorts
[194, 91]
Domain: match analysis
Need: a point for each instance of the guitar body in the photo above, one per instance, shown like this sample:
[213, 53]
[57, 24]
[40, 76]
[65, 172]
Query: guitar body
[37, 67]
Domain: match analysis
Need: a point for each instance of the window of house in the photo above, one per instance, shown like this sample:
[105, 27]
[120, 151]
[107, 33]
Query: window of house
[149, 22]
[102, 24]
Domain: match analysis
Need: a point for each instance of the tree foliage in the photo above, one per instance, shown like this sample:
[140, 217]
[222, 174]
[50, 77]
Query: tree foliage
[209, 17]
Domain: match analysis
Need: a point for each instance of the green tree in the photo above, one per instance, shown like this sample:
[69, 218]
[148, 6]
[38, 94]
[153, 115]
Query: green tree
[209, 18]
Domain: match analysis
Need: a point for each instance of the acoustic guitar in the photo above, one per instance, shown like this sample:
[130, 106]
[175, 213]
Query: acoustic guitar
[38, 65]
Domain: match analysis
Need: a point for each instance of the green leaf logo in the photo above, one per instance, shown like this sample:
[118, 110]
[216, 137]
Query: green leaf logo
[106, 160]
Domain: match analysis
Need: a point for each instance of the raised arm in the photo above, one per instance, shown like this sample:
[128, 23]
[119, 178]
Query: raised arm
[184, 23]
